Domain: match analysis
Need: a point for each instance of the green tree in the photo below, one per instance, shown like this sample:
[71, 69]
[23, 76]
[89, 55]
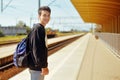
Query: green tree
[28, 29]
[20, 24]
[1, 34]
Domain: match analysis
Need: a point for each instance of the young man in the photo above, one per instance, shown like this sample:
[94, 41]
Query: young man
[37, 43]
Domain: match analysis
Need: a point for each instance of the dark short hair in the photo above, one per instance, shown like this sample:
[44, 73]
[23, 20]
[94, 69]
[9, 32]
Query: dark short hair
[46, 8]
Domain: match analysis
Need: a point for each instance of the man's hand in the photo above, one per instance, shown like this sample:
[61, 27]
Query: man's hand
[45, 71]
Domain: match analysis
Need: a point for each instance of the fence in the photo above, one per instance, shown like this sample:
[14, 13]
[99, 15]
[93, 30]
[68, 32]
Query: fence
[112, 40]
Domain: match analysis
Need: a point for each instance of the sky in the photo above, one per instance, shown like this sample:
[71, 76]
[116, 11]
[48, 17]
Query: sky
[63, 14]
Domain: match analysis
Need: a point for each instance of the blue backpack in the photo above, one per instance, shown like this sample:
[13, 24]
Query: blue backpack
[20, 57]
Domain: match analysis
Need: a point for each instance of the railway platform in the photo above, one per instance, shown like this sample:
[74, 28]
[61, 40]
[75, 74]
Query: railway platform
[84, 59]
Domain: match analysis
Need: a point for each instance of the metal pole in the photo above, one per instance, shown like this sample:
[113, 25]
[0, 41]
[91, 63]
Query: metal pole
[30, 21]
[38, 4]
[1, 5]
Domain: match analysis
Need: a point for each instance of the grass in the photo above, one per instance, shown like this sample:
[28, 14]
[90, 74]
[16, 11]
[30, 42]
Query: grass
[11, 39]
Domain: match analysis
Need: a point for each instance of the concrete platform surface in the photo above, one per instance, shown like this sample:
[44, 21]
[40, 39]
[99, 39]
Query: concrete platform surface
[64, 64]
[99, 62]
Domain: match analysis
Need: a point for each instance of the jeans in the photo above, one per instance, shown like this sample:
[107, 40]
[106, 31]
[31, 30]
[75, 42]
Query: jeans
[36, 75]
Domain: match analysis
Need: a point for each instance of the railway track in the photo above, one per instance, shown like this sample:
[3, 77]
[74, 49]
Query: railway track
[8, 69]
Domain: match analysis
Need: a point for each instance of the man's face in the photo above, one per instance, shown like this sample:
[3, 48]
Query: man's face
[44, 17]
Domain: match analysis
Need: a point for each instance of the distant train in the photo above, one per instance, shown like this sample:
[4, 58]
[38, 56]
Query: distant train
[51, 33]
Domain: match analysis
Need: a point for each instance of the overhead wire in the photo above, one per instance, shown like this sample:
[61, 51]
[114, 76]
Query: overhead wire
[3, 8]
